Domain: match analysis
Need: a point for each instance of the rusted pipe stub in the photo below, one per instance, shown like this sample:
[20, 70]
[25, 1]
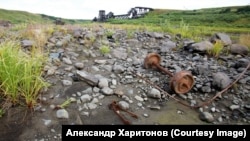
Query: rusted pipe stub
[182, 82]
[151, 60]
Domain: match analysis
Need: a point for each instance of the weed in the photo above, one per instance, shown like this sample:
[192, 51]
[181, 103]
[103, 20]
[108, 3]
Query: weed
[89, 41]
[130, 34]
[19, 27]
[104, 49]
[64, 104]
[216, 50]
[61, 29]
[245, 39]
[49, 30]
[109, 33]
[37, 33]
[20, 74]
[92, 39]
[221, 62]
[2, 32]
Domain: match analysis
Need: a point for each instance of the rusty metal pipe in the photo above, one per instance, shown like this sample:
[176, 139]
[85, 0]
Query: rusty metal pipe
[163, 69]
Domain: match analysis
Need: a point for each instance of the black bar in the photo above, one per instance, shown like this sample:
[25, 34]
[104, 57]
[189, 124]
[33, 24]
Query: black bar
[170, 132]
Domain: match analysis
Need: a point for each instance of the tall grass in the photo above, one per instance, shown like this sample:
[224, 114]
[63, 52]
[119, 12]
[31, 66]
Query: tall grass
[245, 40]
[37, 32]
[216, 50]
[20, 74]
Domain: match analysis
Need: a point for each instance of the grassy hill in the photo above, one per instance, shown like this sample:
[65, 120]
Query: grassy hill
[17, 17]
[235, 19]
[190, 23]
[223, 16]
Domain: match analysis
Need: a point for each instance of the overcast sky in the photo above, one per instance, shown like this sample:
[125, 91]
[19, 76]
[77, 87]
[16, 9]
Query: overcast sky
[88, 9]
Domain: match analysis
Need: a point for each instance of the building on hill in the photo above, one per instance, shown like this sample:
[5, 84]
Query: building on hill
[133, 13]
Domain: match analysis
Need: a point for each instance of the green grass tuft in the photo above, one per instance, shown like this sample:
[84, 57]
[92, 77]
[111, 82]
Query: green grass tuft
[20, 74]
[216, 50]
[105, 49]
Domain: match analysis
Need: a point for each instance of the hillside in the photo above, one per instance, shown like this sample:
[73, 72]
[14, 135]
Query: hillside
[17, 17]
[238, 16]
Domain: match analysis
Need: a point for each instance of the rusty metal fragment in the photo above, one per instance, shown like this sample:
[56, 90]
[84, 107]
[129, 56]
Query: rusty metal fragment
[117, 109]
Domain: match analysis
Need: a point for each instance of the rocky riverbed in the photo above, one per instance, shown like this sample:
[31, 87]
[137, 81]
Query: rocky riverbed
[83, 71]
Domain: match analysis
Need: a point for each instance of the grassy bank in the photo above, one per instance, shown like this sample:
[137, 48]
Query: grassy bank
[194, 23]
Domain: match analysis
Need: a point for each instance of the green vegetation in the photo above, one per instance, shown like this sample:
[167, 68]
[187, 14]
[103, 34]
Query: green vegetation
[64, 104]
[216, 50]
[194, 23]
[214, 17]
[20, 74]
[109, 33]
[130, 34]
[21, 69]
[18, 17]
[245, 40]
[189, 23]
[104, 49]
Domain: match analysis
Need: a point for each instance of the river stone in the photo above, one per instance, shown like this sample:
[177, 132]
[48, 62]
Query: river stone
[67, 61]
[154, 93]
[221, 80]
[85, 98]
[222, 37]
[87, 77]
[62, 113]
[103, 82]
[79, 65]
[201, 46]
[27, 43]
[67, 82]
[124, 105]
[239, 49]
[206, 116]
[107, 91]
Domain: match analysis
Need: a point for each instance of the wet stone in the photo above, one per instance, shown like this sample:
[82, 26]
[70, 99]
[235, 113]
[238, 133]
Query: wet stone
[89, 78]
[206, 116]
[67, 82]
[85, 98]
[107, 91]
[124, 105]
[62, 113]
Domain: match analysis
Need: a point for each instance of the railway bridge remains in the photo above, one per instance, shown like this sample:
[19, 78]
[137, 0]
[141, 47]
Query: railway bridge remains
[133, 13]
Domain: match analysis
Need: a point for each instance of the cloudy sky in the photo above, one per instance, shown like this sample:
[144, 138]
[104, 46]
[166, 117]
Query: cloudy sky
[88, 9]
